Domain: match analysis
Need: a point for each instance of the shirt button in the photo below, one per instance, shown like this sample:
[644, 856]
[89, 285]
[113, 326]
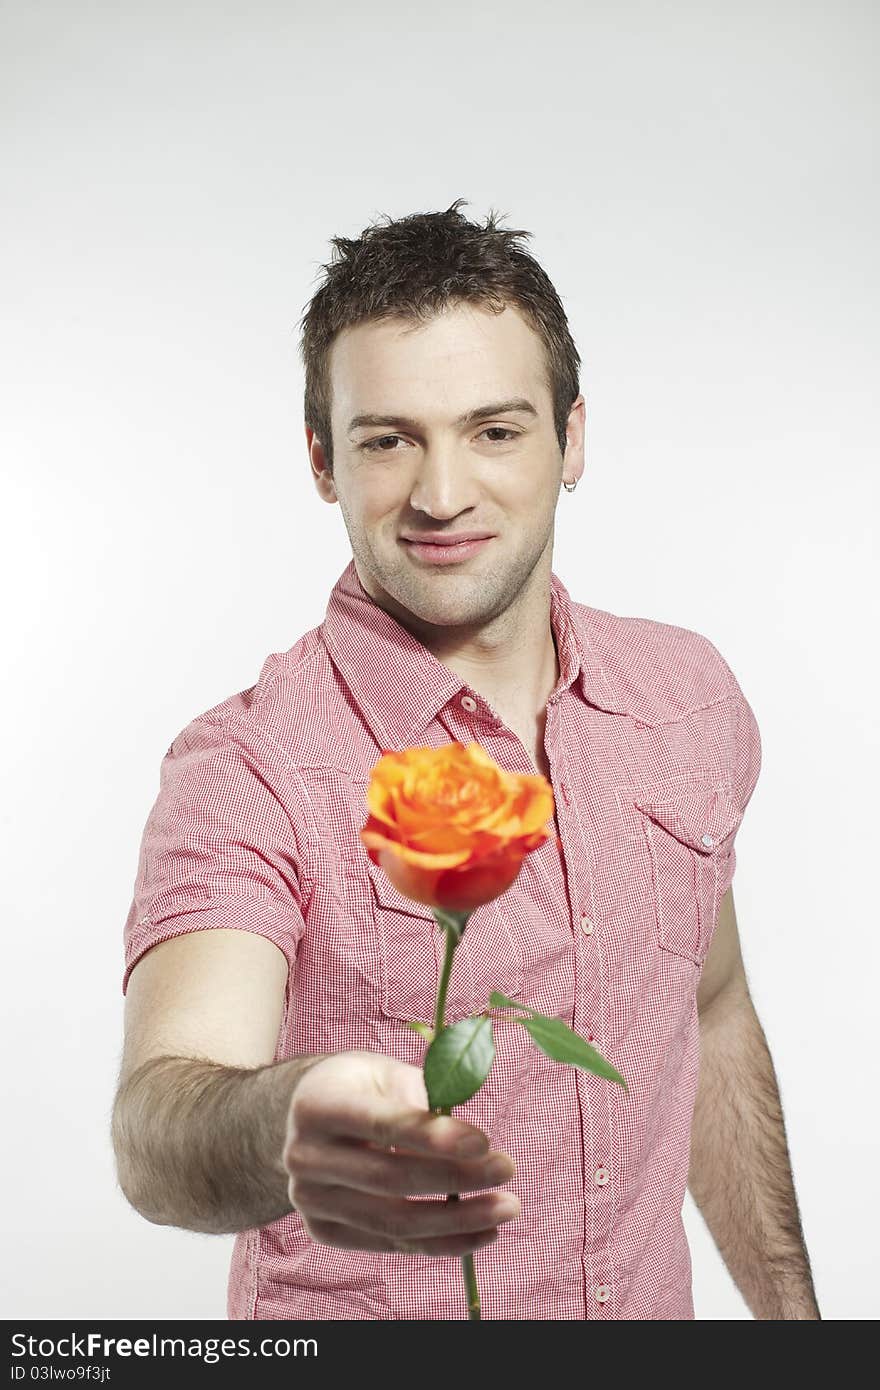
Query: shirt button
[565, 796]
[603, 1293]
[586, 926]
[601, 1176]
[469, 702]
[708, 841]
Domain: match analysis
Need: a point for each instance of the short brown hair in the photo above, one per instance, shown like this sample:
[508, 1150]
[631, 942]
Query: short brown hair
[415, 267]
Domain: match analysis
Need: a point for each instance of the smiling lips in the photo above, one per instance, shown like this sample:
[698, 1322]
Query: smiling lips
[445, 537]
[448, 549]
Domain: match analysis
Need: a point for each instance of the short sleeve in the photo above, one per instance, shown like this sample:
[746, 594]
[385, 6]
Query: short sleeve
[744, 762]
[220, 847]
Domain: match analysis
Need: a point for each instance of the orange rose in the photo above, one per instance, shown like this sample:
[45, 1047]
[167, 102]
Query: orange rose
[449, 826]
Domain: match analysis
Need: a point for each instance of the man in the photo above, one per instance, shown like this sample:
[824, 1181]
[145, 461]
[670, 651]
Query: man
[270, 1084]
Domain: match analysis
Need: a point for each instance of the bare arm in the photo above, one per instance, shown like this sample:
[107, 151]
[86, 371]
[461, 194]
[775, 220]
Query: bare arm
[200, 1145]
[214, 1135]
[200, 1114]
[740, 1171]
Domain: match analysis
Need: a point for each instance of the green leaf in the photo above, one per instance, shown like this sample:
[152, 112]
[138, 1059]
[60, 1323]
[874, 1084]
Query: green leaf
[458, 1061]
[562, 1044]
[424, 1028]
[497, 1000]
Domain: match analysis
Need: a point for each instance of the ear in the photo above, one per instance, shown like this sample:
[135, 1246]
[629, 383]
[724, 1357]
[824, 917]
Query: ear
[573, 462]
[322, 479]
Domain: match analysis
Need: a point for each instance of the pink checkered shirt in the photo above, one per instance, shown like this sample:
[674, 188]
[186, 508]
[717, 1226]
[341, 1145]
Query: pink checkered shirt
[654, 754]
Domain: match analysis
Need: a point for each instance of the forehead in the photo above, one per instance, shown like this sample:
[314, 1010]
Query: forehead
[463, 355]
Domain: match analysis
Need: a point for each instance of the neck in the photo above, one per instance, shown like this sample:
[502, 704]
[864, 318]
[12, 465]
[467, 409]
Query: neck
[511, 659]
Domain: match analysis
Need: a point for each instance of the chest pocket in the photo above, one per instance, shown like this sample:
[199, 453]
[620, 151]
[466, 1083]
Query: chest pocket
[411, 950]
[688, 831]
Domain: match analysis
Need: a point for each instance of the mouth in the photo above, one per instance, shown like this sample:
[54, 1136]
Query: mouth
[446, 553]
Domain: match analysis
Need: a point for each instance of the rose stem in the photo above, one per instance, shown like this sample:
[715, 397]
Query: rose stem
[467, 1261]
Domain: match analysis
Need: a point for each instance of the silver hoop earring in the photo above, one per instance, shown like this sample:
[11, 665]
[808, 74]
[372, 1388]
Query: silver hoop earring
[570, 487]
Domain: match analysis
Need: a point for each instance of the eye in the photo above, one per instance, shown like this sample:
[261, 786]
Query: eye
[374, 445]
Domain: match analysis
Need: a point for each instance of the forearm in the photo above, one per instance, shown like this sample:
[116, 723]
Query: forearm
[740, 1171]
[200, 1145]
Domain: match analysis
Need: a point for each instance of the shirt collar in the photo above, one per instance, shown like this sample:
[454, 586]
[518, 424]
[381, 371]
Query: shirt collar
[400, 686]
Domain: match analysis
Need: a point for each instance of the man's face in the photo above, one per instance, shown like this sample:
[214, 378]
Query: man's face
[421, 467]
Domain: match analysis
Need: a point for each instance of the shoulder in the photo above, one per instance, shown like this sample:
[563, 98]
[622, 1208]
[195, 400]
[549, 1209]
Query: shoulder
[669, 678]
[657, 671]
[289, 715]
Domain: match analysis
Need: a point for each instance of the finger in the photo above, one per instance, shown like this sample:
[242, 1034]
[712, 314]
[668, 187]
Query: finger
[344, 1237]
[351, 1163]
[397, 1219]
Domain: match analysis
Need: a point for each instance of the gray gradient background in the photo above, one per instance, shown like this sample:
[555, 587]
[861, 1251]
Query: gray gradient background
[700, 180]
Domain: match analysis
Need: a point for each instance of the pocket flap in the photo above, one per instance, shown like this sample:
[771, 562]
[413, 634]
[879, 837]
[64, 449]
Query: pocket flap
[703, 817]
[488, 955]
[389, 896]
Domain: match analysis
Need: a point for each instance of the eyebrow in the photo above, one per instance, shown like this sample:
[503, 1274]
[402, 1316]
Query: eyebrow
[481, 412]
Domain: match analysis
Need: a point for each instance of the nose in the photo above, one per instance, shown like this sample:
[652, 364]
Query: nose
[444, 485]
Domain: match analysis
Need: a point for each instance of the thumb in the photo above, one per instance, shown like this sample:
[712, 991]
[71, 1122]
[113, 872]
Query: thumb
[389, 1107]
[400, 1081]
